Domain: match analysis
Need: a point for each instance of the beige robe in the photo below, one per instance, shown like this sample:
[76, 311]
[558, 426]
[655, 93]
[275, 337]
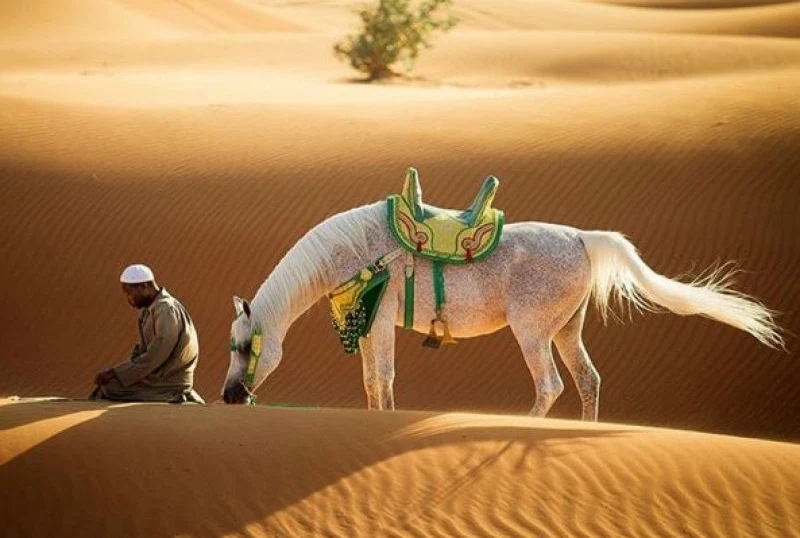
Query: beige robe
[162, 363]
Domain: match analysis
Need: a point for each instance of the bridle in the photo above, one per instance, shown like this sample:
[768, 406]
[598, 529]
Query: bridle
[253, 350]
[243, 348]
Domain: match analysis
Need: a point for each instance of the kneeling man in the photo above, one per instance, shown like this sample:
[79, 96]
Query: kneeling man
[161, 365]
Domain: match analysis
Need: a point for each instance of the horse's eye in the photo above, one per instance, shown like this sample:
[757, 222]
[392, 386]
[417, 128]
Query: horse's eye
[244, 348]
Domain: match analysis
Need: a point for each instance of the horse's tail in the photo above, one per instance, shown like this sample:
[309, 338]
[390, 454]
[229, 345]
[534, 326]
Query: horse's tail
[618, 270]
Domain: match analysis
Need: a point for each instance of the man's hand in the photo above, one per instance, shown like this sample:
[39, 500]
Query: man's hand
[104, 377]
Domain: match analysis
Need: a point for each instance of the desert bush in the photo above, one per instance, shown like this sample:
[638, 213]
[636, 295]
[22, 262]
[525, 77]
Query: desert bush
[391, 32]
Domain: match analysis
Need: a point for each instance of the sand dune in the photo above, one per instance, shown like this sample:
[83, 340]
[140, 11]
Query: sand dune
[39, 20]
[696, 4]
[200, 71]
[514, 58]
[694, 206]
[279, 472]
[204, 138]
[81, 19]
[779, 20]
[126, 19]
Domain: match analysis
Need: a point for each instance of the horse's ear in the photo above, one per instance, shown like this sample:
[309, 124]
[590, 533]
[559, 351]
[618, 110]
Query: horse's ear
[241, 306]
[238, 306]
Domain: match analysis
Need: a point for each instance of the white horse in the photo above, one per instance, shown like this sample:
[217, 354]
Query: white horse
[539, 282]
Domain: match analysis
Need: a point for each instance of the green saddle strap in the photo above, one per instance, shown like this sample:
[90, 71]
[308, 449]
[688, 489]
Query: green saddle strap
[438, 285]
[438, 291]
[408, 317]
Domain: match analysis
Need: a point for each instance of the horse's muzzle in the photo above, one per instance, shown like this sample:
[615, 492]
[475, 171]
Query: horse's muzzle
[236, 394]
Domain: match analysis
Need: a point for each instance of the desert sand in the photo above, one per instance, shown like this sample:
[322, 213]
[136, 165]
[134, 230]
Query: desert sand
[161, 470]
[205, 137]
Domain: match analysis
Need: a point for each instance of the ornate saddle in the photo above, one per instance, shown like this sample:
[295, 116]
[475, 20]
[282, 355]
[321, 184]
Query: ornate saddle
[445, 235]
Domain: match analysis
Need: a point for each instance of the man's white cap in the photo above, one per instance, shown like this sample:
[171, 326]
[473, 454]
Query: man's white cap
[136, 274]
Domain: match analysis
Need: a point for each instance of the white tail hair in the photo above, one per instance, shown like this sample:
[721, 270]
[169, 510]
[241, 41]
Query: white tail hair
[618, 270]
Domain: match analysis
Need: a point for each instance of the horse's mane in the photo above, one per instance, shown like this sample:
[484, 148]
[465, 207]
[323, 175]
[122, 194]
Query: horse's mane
[306, 271]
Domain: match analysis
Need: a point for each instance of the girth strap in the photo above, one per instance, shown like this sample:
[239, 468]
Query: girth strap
[408, 317]
[438, 285]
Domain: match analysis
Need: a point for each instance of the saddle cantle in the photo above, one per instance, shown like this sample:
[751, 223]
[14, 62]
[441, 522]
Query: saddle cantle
[446, 235]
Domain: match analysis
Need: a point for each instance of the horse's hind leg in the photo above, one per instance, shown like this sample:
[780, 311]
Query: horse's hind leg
[569, 342]
[538, 354]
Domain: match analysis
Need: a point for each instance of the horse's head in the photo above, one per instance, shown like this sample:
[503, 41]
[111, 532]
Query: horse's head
[246, 345]
[234, 389]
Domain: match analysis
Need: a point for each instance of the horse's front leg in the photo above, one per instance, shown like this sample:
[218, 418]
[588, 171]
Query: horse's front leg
[369, 372]
[377, 352]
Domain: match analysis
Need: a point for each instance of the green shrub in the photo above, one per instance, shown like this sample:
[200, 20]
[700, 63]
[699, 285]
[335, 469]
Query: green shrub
[391, 32]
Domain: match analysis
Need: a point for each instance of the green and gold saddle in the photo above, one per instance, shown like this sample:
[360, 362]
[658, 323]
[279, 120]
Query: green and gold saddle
[445, 235]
